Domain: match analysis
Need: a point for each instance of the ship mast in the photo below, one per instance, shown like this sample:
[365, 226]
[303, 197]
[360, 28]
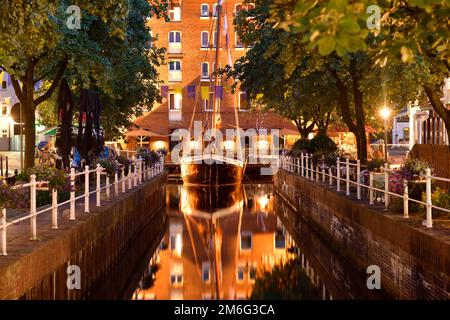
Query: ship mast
[216, 65]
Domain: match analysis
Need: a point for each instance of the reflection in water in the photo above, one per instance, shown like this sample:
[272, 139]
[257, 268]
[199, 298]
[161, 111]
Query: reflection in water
[220, 242]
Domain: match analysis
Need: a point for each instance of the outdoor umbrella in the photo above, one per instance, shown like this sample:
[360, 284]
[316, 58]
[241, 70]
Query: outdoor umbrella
[141, 134]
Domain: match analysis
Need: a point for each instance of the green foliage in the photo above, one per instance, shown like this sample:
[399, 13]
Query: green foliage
[322, 144]
[10, 198]
[375, 164]
[301, 145]
[57, 179]
[439, 198]
[109, 165]
[285, 281]
[149, 157]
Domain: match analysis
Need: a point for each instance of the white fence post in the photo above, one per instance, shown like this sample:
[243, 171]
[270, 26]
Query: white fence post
[312, 168]
[330, 171]
[54, 209]
[306, 166]
[129, 176]
[86, 189]
[33, 206]
[302, 158]
[123, 179]
[97, 188]
[317, 173]
[3, 234]
[338, 174]
[108, 191]
[370, 187]
[347, 177]
[386, 186]
[72, 194]
[135, 173]
[140, 170]
[116, 182]
[358, 179]
[405, 199]
[429, 202]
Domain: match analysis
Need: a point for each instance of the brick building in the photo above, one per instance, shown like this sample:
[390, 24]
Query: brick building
[189, 37]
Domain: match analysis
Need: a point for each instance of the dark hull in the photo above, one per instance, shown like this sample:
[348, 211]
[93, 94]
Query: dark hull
[215, 174]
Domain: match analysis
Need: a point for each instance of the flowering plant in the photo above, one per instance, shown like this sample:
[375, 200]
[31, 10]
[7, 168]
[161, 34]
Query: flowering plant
[414, 168]
[55, 178]
[110, 166]
[10, 198]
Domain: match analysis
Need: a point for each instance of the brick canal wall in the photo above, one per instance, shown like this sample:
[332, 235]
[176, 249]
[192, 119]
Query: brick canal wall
[414, 262]
[108, 244]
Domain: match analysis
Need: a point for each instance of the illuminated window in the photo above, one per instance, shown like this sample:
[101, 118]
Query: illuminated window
[175, 70]
[4, 85]
[206, 272]
[4, 133]
[246, 240]
[4, 109]
[280, 240]
[176, 274]
[215, 10]
[174, 42]
[205, 39]
[175, 13]
[205, 70]
[240, 273]
[204, 10]
[208, 104]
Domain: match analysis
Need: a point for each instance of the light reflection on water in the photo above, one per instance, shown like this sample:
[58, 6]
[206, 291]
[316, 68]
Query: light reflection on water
[233, 232]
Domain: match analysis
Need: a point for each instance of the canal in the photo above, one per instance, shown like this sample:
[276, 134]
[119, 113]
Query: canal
[243, 243]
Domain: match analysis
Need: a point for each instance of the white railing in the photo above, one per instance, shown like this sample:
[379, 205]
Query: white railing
[347, 174]
[127, 153]
[138, 172]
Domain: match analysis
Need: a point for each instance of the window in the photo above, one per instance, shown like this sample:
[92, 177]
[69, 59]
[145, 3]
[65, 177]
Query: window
[240, 273]
[206, 272]
[175, 239]
[4, 109]
[175, 13]
[174, 101]
[208, 104]
[4, 133]
[175, 70]
[205, 39]
[246, 240]
[215, 39]
[252, 273]
[280, 240]
[237, 8]
[243, 102]
[4, 85]
[204, 10]
[205, 70]
[215, 10]
[174, 42]
[176, 274]
[238, 42]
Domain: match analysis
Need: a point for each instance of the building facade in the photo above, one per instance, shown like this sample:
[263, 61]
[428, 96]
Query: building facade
[188, 90]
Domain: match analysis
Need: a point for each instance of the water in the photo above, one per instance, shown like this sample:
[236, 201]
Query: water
[240, 243]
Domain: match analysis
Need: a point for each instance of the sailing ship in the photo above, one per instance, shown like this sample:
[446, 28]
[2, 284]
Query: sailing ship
[211, 168]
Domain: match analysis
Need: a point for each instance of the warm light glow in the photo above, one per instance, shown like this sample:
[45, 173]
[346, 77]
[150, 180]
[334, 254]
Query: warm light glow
[263, 201]
[159, 145]
[178, 245]
[385, 112]
[229, 145]
[193, 144]
[310, 136]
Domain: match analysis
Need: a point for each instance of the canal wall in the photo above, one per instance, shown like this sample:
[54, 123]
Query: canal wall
[108, 244]
[414, 262]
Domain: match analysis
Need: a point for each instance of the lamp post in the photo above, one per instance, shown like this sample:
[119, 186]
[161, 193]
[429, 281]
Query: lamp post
[385, 112]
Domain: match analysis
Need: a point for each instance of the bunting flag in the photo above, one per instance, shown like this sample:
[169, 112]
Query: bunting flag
[191, 92]
[259, 96]
[7, 100]
[218, 92]
[205, 93]
[164, 91]
[2, 75]
[178, 90]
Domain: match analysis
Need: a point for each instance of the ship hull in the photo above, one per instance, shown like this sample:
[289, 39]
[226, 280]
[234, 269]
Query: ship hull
[211, 171]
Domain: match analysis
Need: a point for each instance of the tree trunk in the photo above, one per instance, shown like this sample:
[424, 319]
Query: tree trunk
[30, 131]
[438, 106]
[359, 113]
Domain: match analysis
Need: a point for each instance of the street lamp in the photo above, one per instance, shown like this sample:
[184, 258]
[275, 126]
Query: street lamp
[385, 113]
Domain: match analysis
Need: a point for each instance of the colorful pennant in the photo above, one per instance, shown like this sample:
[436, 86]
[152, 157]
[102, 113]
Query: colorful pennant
[218, 92]
[205, 93]
[164, 91]
[191, 92]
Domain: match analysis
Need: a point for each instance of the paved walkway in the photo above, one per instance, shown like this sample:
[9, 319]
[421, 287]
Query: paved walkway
[13, 161]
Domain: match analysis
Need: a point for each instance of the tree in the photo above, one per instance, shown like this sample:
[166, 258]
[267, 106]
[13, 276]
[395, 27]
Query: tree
[413, 32]
[39, 43]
